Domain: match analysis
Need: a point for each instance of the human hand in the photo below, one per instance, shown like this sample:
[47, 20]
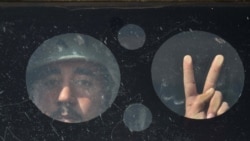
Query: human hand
[210, 102]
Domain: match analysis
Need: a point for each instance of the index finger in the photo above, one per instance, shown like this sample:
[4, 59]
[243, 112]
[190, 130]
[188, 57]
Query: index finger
[188, 78]
[213, 73]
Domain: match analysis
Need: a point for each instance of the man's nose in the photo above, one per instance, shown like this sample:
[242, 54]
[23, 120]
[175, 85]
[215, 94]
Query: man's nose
[65, 94]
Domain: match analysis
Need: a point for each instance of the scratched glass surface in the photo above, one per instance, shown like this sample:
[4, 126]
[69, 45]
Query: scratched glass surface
[148, 31]
[167, 68]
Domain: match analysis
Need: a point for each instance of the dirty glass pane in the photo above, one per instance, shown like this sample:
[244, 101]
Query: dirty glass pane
[146, 44]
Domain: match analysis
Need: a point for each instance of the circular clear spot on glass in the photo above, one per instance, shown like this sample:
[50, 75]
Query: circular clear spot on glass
[137, 117]
[131, 37]
[175, 88]
[72, 78]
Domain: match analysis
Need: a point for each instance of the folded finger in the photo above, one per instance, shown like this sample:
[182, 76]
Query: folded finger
[198, 109]
[223, 108]
[203, 99]
[214, 104]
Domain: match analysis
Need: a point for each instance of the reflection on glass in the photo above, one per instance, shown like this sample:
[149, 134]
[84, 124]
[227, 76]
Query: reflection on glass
[72, 78]
[131, 37]
[197, 74]
[137, 117]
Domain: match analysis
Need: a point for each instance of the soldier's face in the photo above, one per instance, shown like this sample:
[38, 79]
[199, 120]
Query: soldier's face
[71, 91]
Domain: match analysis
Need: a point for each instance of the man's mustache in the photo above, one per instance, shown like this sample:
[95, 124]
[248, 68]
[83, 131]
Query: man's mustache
[66, 111]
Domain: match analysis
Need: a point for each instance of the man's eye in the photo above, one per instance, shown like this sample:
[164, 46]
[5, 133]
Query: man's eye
[83, 83]
[51, 83]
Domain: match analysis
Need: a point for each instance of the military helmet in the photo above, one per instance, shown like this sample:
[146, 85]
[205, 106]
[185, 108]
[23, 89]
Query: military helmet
[76, 46]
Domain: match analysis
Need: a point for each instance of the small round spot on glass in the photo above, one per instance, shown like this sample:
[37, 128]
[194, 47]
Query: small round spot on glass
[137, 117]
[131, 37]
